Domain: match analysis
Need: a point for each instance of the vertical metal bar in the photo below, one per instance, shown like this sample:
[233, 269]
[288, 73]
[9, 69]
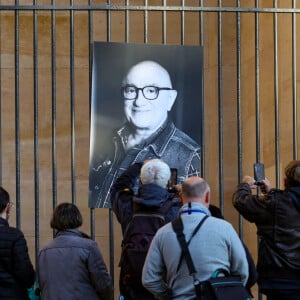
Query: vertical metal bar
[277, 149]
[220, 109]
[36, 130]
[146, 23]
[111, 215]
[164, 41]
[90, 16]
[294, 70]
[127, 20]
[257, 96]
[182, 23]
[108, 21]
[257, 79]
[1, 142]
[53, 78]
[17, 116]
[239, 109]
[72, 102]
[202, 102]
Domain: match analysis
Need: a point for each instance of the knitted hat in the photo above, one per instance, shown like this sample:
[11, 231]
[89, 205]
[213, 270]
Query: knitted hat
[292, 172]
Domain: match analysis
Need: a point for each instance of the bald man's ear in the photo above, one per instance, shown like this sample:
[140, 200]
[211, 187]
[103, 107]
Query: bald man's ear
[207, 198]
[171, 99]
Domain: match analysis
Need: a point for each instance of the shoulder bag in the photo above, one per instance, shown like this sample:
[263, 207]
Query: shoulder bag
[221, 285]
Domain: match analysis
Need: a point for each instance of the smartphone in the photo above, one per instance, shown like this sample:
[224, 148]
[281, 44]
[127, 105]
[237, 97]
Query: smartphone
[173, 179]
[259, 172]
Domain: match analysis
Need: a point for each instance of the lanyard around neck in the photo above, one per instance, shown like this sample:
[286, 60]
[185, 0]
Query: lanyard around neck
[189, 211]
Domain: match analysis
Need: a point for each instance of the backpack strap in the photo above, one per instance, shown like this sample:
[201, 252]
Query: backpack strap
[166, 206]
[178, 228]
[188, 242]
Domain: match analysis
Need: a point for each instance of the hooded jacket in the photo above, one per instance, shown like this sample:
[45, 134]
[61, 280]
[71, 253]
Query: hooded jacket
[125, 203]
[149, 196]
[277, 217]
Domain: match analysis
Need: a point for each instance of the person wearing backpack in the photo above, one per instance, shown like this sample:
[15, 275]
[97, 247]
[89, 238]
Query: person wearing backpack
[141, 214]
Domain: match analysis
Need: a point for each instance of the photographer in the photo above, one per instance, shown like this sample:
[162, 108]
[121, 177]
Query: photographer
[277, 216]
[140, 215]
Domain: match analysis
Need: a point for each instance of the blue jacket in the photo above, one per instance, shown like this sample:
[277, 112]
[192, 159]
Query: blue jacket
[16, 271]
[125, 202]
[124, 199]
[170, 144]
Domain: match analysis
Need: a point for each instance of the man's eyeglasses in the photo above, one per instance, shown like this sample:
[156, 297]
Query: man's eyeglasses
[130, 92]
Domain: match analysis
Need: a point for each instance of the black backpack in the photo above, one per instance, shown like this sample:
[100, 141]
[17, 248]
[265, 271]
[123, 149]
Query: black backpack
[137, 239]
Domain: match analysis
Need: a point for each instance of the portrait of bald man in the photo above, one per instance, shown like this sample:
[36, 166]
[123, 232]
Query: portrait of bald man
[147, 131]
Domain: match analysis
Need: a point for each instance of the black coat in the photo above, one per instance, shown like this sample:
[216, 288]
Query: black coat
[277, 218]
[16, 270]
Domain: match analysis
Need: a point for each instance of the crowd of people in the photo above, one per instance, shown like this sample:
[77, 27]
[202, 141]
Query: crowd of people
[71, 266]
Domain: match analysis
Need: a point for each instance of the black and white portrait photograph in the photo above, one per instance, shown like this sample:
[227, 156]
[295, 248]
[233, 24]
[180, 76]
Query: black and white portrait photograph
[146, 102]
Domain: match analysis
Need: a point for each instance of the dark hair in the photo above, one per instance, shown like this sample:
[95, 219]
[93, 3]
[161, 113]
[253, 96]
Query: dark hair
[292, 173]
[66, 216]
[4, 199]
[215, 211]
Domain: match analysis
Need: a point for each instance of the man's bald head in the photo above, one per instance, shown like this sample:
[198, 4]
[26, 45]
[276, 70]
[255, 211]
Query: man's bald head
[195, 189]
[150, 72]
[148, 96]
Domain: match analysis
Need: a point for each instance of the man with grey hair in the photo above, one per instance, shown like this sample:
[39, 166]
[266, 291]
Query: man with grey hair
[276, 214]
[155, 172]
[148, 132]
[215, 246]
[152, 199]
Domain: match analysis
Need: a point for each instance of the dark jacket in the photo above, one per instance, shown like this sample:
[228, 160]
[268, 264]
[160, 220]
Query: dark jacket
[277, 217]
[124, 200]
[253, 275]
[124, 203]
[72, 267]
[169, 143]
[16, 271]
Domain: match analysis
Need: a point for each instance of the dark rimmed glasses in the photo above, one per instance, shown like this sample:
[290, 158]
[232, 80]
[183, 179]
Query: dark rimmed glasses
[130, 92]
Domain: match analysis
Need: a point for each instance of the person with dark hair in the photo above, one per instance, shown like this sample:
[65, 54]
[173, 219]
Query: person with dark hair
[72, 266]
[215, 246]
[276, 214]
[148, 132]
[16, 270]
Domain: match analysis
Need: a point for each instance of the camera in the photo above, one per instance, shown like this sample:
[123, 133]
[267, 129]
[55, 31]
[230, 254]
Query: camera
[173, 181]
[259, 173]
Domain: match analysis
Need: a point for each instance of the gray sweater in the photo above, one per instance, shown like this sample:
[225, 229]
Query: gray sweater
[215, 246]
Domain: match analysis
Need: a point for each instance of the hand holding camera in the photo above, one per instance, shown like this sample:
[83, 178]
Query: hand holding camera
[173, 187]
[259, 173]
[259, 179]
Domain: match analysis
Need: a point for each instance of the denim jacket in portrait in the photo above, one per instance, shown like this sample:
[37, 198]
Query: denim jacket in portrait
[169, 143]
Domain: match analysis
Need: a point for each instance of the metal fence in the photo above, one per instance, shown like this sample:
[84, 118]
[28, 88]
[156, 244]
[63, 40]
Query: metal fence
[250, 88]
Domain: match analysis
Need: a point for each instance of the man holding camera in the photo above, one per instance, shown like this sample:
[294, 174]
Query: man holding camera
[277, 216]
[140, 215]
